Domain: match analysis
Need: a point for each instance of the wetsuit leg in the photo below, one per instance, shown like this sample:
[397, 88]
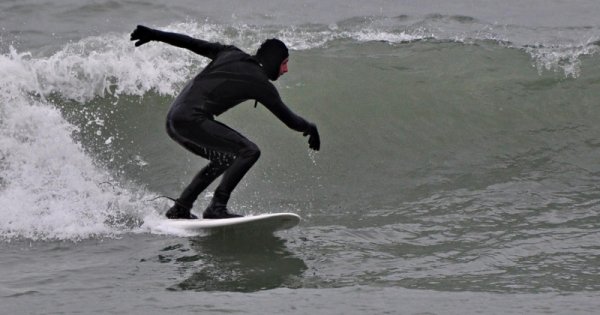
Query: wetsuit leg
[230, 153]
[201, 181]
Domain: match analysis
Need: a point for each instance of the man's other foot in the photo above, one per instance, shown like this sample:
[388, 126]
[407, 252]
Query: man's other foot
[219, 212]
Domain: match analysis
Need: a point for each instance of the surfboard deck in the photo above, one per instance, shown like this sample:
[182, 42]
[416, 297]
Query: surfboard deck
[264, 223]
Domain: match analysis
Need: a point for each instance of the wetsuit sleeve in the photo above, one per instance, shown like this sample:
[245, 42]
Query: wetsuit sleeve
[272, 101]
[201, 47]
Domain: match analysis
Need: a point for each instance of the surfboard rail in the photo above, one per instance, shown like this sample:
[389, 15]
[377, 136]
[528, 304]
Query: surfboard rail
[268, 222]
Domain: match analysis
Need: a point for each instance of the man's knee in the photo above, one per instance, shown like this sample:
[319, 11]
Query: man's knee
[251, 151]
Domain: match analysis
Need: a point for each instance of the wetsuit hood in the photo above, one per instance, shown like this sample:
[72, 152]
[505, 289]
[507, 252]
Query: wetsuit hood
[270, 55]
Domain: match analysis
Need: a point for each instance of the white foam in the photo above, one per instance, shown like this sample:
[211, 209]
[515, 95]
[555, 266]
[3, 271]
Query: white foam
[50, 188]
[566, 59]
[391, 37]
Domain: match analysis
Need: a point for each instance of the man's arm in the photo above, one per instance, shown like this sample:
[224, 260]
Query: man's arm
[143, 34]
[273, 103]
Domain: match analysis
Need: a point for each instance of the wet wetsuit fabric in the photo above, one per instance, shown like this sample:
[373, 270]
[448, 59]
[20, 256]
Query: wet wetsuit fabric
[230, 78]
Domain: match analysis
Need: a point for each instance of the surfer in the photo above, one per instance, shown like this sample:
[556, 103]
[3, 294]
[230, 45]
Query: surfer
[231, 78]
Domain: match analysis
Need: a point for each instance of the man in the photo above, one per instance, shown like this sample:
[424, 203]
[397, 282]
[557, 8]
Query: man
[232, 77]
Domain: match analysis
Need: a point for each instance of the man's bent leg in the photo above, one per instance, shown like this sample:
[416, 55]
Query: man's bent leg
[202, 179]
[244, 160]
[224, 147]
[245, 153]
[217, 165]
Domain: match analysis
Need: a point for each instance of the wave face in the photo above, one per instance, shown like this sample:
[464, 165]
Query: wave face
[428, 111]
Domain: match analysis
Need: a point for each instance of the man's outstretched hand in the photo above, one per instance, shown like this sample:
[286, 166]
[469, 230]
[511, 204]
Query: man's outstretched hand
[142, 34]
[314, 142]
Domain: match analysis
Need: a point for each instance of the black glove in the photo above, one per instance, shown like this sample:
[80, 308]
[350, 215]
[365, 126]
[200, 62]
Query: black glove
[143, 35]
[314, 142]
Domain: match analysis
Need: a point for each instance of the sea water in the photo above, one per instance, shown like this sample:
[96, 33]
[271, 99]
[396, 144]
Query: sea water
[457, 174]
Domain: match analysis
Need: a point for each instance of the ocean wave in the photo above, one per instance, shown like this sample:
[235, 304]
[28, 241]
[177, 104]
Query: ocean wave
[46, 173]
[109, 64]
[552, 49]
[51, 187]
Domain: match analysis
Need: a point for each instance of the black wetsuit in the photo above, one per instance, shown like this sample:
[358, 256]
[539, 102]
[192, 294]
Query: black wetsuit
[232, 77]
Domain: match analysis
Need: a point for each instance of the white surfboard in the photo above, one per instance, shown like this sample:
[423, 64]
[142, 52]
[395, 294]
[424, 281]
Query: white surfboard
[264, 223]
